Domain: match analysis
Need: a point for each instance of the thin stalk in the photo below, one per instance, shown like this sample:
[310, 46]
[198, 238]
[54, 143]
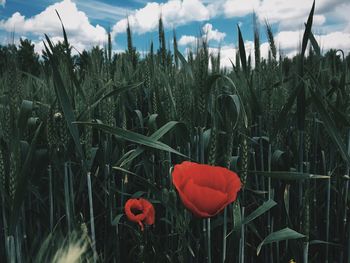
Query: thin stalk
[314, 169]
[113, 205]
[209, 240]
[306, 252]
[197, 148]
[261, 147]
[189, 150]
[71, 191]
[168, 214]
[255, 174]
[23, 233]
[328, 204]
[278, 250]
[109, 187]
[11, 250]
[92, 222]
[201, 144]
[206, 223]
[348, 247]
[307, 216]
[272, 229]
[242, 241]
[18, 244]
[269, 197]
[224, 233]
[4, 222]
[197, 226]
[50, 197]
[106, 203]
[67, 198]
[346, 193]
[269, 170]
[301, 169]
[300, 165]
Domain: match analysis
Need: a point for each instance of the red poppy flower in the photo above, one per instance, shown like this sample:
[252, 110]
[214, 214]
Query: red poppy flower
[205, 189]
[140, 211]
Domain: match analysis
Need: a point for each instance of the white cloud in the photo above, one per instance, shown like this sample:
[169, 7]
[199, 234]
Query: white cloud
[81, 33]
[279, 10]
[239, 8]
[187, 40]
[173, 12]
[289, 15]
[335, 40]
[341, 12]
[3, 2]
[209, 34]
[213, 34]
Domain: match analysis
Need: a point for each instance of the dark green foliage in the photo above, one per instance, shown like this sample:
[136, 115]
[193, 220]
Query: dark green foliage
[28, 60]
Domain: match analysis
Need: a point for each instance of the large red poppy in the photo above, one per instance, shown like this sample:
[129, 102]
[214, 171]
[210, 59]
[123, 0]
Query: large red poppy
[140, 211]
[205, 189]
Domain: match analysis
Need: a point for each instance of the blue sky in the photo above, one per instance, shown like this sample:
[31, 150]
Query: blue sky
[87, 22]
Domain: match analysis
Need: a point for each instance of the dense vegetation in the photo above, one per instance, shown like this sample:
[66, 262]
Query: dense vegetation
[80, 135]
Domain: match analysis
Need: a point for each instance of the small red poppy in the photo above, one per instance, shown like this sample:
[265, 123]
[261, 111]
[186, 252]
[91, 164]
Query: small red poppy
[140, 211]
[205, 189]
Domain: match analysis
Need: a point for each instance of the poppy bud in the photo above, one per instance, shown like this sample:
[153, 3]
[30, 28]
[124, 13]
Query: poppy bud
[140, 211]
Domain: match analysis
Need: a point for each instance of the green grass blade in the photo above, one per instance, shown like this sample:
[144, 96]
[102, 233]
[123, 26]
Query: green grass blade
[184, 63]
[283, 175]
[155, 136]
[314, 44]
[115, 92]
[284, 234]
[133, 137]
[69, 61]
[241, 49]
[307, 31]
[63, 99]
[259, 211]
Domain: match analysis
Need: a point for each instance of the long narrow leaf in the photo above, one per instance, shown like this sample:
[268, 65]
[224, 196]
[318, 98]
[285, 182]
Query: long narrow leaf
[155, 136]
[63, 98]
[241, 48]
[284, 234]
[133, 137]
[307, 31]
[259, 211]
[282, 175]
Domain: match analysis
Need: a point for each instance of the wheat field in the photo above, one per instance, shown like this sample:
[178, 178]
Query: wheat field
[80, 135]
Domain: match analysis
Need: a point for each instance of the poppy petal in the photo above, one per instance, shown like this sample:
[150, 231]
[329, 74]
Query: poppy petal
[205, 189]
[134, 204]
[149, 212]
[206, 199]
[211, 176]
